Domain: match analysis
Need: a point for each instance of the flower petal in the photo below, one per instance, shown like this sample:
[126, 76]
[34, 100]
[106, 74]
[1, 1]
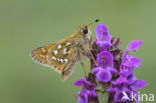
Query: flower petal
[112, 70]
[104, 76]
[103, 45]
[92, 96]
[138, 84]
[134, 45]
[103, 37]
[128, 74]
[85, 84]
[83, 98]
[122, 95]
[121, 81]
[80, 82]
[112, 90]
[105, 59]
[132, 61]
[101, 31]
[118, 96]
[96, 70]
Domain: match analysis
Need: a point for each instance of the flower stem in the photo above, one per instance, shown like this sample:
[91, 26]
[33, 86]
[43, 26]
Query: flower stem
[101, 90]
[102, 97]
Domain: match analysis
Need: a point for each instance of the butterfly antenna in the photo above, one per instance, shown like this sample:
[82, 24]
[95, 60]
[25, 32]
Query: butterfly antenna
[97, 20]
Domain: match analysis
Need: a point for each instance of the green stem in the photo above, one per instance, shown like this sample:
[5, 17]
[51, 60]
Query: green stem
[102, 93]
[102, 96]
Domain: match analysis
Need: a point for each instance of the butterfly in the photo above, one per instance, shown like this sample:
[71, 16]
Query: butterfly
[64, 55]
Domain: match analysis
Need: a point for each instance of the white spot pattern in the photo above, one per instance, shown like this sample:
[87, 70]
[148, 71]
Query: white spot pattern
[65, 51]
[68, 43]
[53, 58]
[65, 60]
[43, 49]
[55, 52]
[61, 60]
[58, 59]
[59, 46]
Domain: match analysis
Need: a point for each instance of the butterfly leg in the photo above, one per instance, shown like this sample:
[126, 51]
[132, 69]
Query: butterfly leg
[83, 57]
[91, 54]
[85, 74]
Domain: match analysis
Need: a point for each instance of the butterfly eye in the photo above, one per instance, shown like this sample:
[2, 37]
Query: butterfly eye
[85, 31]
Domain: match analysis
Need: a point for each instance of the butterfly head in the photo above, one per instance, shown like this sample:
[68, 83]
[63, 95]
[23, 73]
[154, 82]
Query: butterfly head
[86, 31]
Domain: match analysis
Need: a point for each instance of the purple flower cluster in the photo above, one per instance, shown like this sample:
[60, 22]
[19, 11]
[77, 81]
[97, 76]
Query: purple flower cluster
[112, 68]
[104, 69]
[127, 83]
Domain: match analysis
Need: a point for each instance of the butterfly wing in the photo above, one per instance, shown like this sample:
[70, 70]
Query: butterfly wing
[39, 54]
[71, 65]
[63, 58]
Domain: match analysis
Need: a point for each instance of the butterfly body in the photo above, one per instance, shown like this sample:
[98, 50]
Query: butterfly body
[63, 56]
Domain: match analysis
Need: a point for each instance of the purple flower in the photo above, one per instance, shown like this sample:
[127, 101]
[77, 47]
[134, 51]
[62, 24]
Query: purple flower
[130, 61]
[134, 45]
[128, 74]
[138, 84]
[102, 75]
[122, 82]
[105, 59]
[83, 98]
[87, 93]
[105, 68]
[122, 85]
[85, 84]
[92, 96]
[103, 37]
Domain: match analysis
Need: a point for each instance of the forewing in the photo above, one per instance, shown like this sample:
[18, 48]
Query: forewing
[60, 55]
[39, 54]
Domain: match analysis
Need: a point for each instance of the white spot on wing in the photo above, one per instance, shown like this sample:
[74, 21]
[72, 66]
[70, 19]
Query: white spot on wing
[55, 52]
[66, 60]
[59, 46]
[58, 59]
[53, 58]
[61, 60]
[65, 51]
[43, 49]
[68, 43]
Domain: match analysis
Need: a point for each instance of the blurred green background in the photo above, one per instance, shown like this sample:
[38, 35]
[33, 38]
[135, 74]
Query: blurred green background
[28, 24]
